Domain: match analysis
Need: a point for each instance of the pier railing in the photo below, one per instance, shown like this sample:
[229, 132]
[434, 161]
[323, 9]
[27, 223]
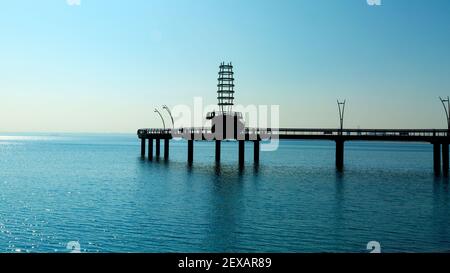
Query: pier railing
[362, 132]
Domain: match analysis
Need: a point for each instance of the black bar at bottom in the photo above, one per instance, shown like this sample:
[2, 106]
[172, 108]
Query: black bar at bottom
[257, 262]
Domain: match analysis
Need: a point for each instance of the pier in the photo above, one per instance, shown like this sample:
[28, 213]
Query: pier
[439, 139]
[229, 125]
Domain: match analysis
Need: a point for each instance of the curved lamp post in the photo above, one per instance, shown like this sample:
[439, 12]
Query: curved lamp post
[162, 119]
[341, 106]
[446, 103]
[170, 114]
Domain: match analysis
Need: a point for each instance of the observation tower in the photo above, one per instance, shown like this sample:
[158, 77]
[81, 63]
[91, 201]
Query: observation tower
[225, 123]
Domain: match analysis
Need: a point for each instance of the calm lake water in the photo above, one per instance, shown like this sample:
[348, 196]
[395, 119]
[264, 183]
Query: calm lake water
[95, 189]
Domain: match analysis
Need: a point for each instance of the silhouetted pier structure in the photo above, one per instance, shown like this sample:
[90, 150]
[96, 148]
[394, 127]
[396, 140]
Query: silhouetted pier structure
[438, 138]
[229, 125]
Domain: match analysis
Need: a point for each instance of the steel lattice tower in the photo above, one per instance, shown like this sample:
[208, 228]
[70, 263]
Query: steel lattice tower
[225, 87]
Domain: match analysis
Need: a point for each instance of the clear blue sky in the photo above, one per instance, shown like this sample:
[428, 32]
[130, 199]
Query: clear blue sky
[104, 65]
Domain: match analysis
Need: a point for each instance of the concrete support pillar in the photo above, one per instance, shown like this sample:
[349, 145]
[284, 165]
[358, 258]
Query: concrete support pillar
[150, 149]
[158, 147]
[241, 152]
[218, 144]
[340, 155]
[445, 162]
[256, 151]
[437, 158]
[142, 147]
[190, 151]
[166, 148]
